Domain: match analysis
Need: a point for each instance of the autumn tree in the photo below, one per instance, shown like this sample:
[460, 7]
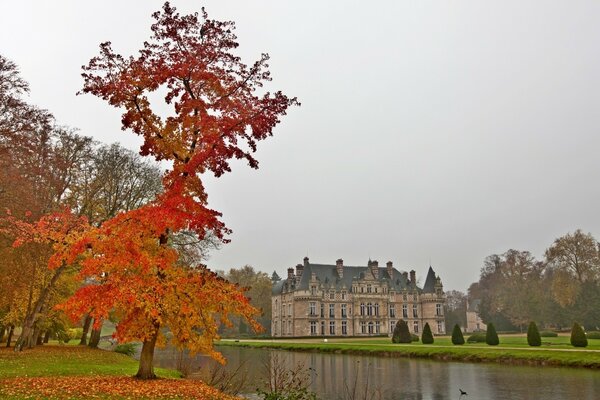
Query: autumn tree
[217, 115]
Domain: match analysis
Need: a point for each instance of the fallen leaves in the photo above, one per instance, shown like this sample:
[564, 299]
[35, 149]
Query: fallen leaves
[103, 387]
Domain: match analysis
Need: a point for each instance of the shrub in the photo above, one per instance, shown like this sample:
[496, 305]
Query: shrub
[491, 337]
[478, 337]
[457, 336]
[427, 337]
[414, 338]
[578, 338]
[593, 335]
[533, 335]
[126, 348]
[548, 334]
[401, 333]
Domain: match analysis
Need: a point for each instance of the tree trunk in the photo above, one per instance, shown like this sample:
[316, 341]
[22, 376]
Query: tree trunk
[95, 337]
[37, 337]
[86, 327]
[26, 337]
[47, 336]
[146, 368]
[2, 330]
[11, 330]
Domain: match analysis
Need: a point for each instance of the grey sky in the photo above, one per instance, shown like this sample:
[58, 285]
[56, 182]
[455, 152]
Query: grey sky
[442, 130]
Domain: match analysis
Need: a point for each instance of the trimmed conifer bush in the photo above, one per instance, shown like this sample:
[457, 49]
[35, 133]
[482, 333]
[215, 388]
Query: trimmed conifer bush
[533, 335]
[401, 333]
[427, 336]
[578, 338]
[491, 337]
[457, 336]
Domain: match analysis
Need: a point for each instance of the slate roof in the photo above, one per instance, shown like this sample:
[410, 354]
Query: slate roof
[327, 275]
[429, 286]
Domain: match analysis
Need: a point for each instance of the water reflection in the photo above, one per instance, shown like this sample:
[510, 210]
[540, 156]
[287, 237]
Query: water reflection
[334, 376]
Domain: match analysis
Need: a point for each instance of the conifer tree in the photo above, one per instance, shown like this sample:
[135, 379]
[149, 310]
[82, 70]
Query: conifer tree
[533, 335]
[427, 336]
[401, 333]
[457, 336]
[491, 337]
[578, 338]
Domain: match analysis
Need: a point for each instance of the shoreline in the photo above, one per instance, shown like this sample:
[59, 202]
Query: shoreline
[559, 357]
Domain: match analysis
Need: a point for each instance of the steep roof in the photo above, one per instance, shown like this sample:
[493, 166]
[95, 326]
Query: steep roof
[327, 275]
[429, 286]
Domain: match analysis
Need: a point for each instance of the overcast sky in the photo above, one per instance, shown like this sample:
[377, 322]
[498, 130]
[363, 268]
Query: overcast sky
[440, 131]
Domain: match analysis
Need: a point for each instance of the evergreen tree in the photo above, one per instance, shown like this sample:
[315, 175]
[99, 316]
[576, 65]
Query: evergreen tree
[457, 336]
[491, 337]
[427, 337]
[578, 338]
[401, 333]
[533, 335]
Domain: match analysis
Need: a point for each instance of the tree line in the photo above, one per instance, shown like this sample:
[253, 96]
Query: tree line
[515, 288]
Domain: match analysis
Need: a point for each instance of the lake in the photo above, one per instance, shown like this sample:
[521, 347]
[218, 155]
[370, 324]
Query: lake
[333, 376]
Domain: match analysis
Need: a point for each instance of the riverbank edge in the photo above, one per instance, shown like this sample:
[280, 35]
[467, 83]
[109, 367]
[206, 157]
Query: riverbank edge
[526, 357]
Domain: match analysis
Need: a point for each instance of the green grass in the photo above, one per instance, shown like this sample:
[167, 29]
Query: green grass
[513, 350]
[51, 360]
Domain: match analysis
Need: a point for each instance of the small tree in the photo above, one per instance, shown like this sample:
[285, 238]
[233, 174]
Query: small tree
[457, 336]
[491, 337]
[578, 338]
[401, 333]
[427, 337]
[533, 335]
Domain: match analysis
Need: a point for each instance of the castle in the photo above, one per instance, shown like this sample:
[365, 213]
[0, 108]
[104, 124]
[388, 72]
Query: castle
[339, 300]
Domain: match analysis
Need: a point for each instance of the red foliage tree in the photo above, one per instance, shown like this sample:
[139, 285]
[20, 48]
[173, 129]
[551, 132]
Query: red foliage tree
[216, 116]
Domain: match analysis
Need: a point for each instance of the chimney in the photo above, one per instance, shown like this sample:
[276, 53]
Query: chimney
[306, 261]
[413, 278]
[290, 273]
[405, 276]
[390, 269]
[375, 269]
[299, 270]
[339, 267]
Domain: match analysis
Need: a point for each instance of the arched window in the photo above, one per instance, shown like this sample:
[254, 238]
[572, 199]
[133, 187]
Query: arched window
[369, 309]
[370, 327]
[362, 308]
[376, 308]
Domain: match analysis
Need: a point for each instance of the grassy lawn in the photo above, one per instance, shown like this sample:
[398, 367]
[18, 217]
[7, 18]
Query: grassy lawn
[78, 372]
[513, 349]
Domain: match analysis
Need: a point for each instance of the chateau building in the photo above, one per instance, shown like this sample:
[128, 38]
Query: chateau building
[339, 300]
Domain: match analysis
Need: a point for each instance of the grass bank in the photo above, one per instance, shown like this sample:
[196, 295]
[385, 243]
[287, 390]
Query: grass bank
[77, 372]
[513, 350]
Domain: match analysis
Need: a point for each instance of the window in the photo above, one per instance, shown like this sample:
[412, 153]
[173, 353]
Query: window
[276, 307]
[416, 327]
[344, 310]
[370, 328]
[313, 290]
[440, 325]
[438, 309]
[363, 327]
[368, 288]
[404, 311]
[344, 327]
[332, 327]
[375, 289]
[312, 309]
[313, 328]
[377, 327]
[404, 297]
[415, 313]
[343, 295]
[392, 326]
[290, 310]
[369, 309]
[376, 308]
[414, 297]
[290, 327]
[331, 295]
[362, 308]
[392, 311]
[322, 310]
[322, 327]
[362, 289]
[331, 310]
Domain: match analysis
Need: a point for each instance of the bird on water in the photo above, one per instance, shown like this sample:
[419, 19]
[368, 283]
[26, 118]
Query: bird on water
[463, 393]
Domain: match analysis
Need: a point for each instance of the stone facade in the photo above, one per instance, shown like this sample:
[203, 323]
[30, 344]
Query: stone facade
[339, 300]
[474, 321]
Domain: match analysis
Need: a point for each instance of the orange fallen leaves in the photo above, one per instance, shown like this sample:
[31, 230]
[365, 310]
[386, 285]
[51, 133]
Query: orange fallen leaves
[71, 387]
